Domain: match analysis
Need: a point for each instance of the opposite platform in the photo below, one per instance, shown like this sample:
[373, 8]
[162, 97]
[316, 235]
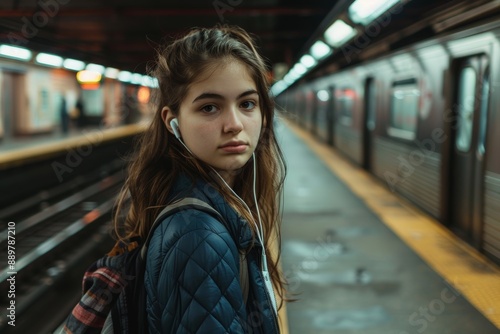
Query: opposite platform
[22, 150]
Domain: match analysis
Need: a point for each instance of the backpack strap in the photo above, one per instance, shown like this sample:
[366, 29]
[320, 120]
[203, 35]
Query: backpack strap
[183, 204]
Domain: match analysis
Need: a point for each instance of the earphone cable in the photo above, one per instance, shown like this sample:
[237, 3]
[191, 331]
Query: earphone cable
[258, 229]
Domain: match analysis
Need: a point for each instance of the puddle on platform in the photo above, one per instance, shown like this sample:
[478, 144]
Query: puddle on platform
[348, 319]
[319, 249]
[349, 277]
[355, 231]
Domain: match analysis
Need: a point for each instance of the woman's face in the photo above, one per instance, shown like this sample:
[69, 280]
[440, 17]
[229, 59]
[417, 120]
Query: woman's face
[220, 120]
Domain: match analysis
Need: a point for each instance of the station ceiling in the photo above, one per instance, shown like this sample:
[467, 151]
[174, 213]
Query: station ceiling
[125, 33]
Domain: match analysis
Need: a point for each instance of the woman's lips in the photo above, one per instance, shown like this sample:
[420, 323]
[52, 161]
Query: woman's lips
[239, 148]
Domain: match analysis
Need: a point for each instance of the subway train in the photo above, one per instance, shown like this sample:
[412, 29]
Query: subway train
[425, 120]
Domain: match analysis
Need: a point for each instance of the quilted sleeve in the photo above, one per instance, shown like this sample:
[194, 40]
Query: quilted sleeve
[198, 285]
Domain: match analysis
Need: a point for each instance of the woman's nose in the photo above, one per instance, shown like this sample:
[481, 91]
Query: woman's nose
[232, 121]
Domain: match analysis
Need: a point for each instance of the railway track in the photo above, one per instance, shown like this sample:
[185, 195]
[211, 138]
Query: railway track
[54, 235]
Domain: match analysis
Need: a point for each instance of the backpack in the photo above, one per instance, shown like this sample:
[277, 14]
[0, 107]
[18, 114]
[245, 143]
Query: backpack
[114, 296]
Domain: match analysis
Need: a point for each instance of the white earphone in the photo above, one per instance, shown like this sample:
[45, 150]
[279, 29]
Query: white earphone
[174, 123]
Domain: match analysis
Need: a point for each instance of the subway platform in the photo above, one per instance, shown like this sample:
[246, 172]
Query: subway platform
[359, 259]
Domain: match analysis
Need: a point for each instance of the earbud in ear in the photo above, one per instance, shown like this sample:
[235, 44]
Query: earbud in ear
[175, 127]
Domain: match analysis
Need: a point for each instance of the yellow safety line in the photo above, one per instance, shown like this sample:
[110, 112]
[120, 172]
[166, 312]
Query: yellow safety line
[282, 313]
[463, 267]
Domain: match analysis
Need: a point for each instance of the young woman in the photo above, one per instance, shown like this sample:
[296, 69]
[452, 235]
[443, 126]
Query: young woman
[212, 138]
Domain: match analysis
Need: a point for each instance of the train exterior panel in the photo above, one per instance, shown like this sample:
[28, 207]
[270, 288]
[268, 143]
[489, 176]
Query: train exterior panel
[491, 232]
[423, 120]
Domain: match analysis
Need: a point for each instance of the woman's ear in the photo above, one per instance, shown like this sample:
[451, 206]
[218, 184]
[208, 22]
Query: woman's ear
[167, 115]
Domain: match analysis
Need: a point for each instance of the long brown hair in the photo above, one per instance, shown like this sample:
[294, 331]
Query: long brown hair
[159, 157]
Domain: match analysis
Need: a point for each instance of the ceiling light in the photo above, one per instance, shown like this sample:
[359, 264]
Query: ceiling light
[294, 74]
[111, 73]
[148, 81]
[320, 50]
[323, 95]
[73, 64]
[339, 33]
[86, 77]
[124, 76]
[278, 87]
[95, 68]
[155, 83]
[15, 52]
[136, 79]
[49, 60]
[289, 79]
[89, 80]
[299, 68]
[307, 61]
[365, 11]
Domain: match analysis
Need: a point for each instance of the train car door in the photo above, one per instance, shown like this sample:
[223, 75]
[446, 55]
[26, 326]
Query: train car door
[467, 155]
[330, 115]
[314, 113]
[309, 110]
[369, 122]
[303, 109]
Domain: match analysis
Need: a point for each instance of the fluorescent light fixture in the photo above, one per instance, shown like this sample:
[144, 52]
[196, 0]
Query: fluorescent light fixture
[288, 79]
[155, 83]
[73, 64]
[149, 81]
[278, 87]
[136, 79]
[365, 11]
[124, 76]
[294, 74]
[339, 33]
[307, 61]
[320, 50]
[88, 77]
[111, 73]
[95, 68]
[49, 59]
[15, 52]
[299, 68]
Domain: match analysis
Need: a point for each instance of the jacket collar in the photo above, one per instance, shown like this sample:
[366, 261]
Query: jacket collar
[237, 225]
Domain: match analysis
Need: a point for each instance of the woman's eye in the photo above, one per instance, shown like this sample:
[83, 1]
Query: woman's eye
[248, 105]
[209, 108]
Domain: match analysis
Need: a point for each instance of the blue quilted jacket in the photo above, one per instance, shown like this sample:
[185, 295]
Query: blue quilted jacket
[192, 271]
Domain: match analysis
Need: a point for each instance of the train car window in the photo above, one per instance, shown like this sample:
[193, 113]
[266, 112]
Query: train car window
[371, 97]
[484, 113]
[404, 110]
[465, 108]
[346, 99]
[323, 95]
